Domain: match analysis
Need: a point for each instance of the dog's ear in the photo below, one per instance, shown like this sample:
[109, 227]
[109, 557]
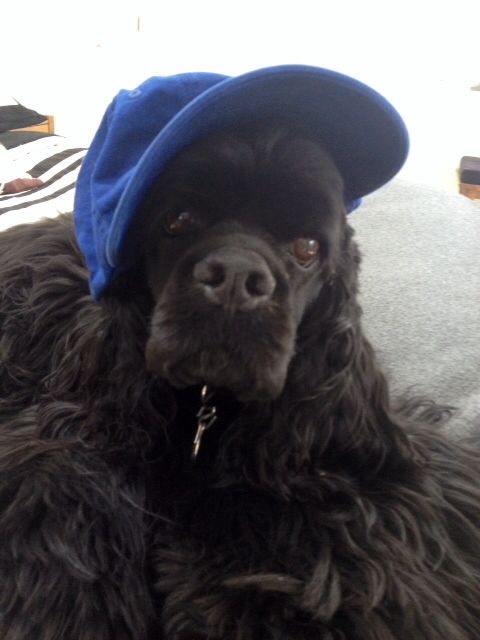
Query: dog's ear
[336, 365]
[335, 407]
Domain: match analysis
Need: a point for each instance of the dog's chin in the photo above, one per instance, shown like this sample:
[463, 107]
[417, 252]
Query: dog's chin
[243, 377]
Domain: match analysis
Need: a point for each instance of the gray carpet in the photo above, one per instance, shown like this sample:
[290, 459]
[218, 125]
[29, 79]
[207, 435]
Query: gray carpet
[420, 287]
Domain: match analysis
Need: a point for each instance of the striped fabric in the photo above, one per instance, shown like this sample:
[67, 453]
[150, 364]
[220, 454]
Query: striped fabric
[54, 160]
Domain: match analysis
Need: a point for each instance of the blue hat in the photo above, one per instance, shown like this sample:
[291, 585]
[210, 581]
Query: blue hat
[142, 130]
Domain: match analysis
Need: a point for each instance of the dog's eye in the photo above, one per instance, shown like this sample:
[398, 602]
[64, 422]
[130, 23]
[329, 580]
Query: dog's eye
[305, 250]
[178, 223]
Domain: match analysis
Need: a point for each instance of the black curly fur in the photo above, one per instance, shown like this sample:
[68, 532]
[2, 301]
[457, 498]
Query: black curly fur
[325, 512]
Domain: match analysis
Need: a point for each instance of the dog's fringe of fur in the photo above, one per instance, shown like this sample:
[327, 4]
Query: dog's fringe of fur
[371, 517]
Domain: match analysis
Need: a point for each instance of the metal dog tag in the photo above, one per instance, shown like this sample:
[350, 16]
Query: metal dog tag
[206, 417]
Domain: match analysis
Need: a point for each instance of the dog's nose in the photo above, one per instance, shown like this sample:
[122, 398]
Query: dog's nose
[237, 279]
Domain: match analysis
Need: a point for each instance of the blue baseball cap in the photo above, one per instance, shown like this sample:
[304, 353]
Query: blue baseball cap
[144, 129]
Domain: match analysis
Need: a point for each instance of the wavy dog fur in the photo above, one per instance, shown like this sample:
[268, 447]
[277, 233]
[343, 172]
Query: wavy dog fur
[324, 513]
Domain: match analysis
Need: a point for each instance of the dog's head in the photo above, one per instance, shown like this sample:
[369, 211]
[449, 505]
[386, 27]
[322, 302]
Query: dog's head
[243, 231]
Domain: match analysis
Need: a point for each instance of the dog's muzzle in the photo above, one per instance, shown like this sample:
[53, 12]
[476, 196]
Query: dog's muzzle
[224, 318]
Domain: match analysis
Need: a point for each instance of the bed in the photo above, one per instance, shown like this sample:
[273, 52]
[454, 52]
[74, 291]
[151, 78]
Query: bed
[29, 148]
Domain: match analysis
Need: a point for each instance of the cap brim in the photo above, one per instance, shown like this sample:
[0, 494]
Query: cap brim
[362, 131]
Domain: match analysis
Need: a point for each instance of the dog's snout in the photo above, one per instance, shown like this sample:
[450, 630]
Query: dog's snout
[237, 279]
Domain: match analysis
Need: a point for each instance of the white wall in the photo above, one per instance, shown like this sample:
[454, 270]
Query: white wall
[70, 59]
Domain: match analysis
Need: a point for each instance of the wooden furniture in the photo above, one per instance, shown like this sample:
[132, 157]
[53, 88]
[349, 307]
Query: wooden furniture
[469, 177]
[48, 126]
[472, 191]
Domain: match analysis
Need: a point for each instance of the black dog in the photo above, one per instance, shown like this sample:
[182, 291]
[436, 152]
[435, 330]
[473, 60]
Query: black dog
[300, 504]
